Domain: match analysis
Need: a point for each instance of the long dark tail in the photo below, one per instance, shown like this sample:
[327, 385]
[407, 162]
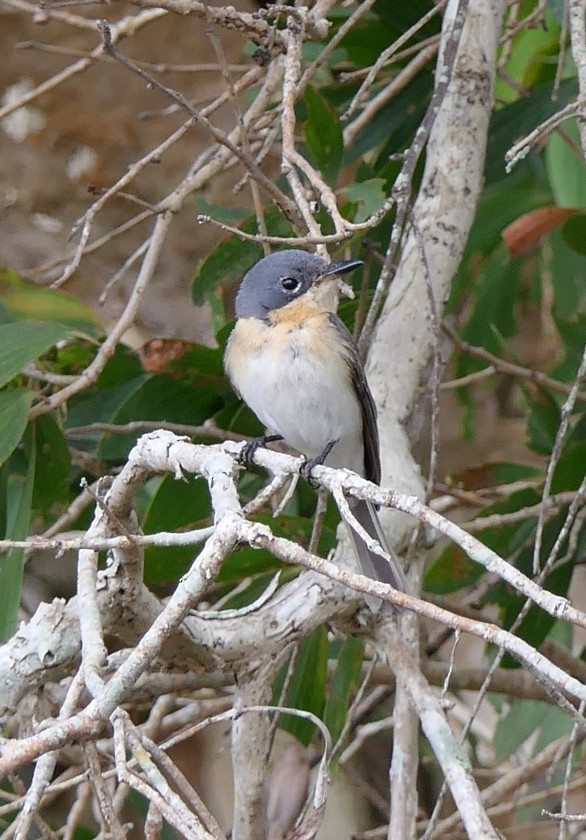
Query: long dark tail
[373, 565]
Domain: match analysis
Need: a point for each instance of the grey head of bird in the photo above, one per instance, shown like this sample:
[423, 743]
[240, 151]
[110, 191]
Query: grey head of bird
[278, 279]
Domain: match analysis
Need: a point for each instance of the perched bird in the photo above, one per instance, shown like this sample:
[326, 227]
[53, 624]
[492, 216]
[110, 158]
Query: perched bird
[295, 364]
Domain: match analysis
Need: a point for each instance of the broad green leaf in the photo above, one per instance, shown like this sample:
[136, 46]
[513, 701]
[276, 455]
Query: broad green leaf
[565, 167]
[19, 492]
[5, 315]
[25, 300]
[123, 367]
[143, 398]
[519, 724]
[570, 468]
[574, 233]
[369, 195]
[543, 423]
[14, 406]
[99, 407]
[22, 342]
[518, 119]
[202, 367]
[176, 505]
[508, 472]
[229, 260]
[248, 561]
[400, 15]
[220, 212]
[537, 624]
[572, 330]
[344, 685]
[159, 398]
[307, 686]
[323, 134]
[53, 463]
[567, 269]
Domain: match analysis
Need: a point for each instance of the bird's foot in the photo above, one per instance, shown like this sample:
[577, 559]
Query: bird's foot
[308, 465]
[247, 452]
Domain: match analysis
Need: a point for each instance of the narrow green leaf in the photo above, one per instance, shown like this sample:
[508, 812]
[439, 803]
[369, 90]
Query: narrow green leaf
[323, 134]
[543, 423]
[566, 265]
[307, 687]
[19, 504]
[494, 313]
[344, 685]
[14, 406]
[574, 233]
[565, 168]
[53, 463]
[22, 342]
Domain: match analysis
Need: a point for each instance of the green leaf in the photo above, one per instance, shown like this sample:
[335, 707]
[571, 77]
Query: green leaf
[451, 571]
[19, 492]
[229, 260]
[523, 720]
[567, 268]
[14, 406]
[518, 119]
[574, 233]
[395, 123]
[537, 624]
[530, 62]
[220, 212]
[123, 367]
[508, 472]
[493, 316]
[27, 301]
[307, 686]
[323, 134]
[344, 685]
[53, 463]
[369, 195]
[175, 505]
[143, 398]
[22, 342]
[569, 471]
[543, 423]
[565, 166]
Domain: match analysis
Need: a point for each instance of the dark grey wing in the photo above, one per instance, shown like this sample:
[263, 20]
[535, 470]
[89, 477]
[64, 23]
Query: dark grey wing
[372, 470]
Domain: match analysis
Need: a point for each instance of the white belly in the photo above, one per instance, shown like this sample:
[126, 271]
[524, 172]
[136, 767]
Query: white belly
[309, 401]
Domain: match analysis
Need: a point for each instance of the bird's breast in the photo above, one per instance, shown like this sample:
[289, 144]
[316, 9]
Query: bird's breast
[293, 374]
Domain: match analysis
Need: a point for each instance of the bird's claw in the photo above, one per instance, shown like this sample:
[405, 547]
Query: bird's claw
[247, 453]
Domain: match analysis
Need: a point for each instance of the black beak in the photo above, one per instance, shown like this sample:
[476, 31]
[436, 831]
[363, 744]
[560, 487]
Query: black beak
[342, 267]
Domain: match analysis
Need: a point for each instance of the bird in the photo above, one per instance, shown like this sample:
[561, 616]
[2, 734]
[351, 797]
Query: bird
[295, 364]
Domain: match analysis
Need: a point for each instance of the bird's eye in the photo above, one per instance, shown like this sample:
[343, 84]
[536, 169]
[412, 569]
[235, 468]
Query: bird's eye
[290, 284]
